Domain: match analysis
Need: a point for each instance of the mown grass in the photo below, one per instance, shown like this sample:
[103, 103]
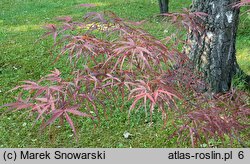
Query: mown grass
[22, 58]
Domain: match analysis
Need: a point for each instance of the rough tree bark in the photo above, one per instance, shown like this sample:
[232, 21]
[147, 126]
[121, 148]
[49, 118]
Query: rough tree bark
[163, 6]
[215, 55]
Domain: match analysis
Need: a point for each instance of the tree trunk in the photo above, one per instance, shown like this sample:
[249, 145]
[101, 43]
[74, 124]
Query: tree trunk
[214, 54]
[163, 6]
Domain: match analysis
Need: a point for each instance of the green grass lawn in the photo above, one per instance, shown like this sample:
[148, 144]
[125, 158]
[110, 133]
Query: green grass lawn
[22, 58]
